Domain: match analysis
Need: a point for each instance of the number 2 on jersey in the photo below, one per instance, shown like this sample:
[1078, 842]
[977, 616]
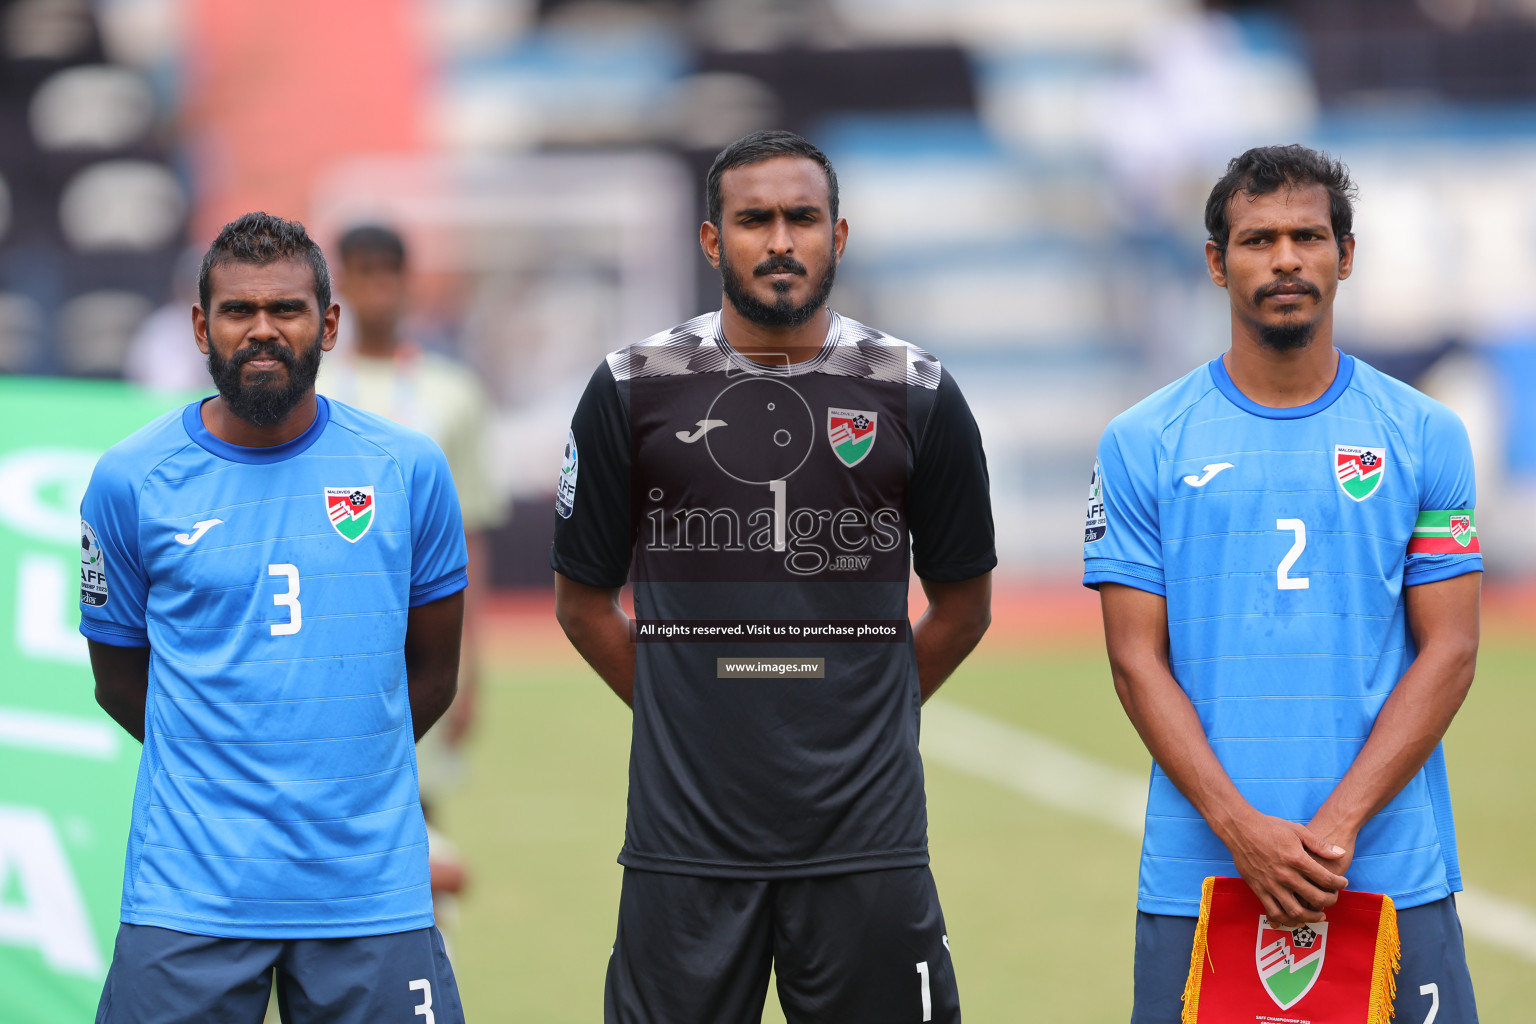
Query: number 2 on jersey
[1283, 578]
[289, 600]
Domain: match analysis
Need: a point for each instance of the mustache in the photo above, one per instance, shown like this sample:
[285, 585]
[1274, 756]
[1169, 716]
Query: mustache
[779, 264]
[1273, 288]
[262, 350]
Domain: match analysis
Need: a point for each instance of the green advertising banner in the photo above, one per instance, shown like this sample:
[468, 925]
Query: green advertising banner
[66, 770]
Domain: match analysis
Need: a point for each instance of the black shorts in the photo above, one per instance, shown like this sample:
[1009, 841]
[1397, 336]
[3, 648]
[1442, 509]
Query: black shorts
[159, 976]
[1432, 984]
[865, 948]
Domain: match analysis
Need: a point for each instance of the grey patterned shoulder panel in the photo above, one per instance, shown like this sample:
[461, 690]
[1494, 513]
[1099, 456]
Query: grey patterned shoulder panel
[852, 350]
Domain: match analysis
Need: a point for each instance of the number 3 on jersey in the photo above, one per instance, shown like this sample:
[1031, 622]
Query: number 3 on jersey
[1283, 578]
[289, 600]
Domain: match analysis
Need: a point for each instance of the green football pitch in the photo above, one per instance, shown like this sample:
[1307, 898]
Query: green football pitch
[1039, 900]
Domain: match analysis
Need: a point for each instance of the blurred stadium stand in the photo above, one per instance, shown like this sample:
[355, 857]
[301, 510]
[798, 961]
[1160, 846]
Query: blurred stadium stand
[1024, 180]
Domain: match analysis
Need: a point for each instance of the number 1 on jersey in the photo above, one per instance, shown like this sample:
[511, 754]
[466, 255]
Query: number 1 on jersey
[922, 972]
[1283, 578]
[780, 491]
[289, 600]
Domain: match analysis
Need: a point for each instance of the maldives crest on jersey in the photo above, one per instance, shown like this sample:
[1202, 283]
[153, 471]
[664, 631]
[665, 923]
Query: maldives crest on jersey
[1290, 962]
[1360, 470]
[350, 510]
[852, 433]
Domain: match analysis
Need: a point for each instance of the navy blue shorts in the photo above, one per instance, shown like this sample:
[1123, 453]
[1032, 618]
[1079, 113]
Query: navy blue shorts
[159, 976]
[1432, 985]
[863, 948]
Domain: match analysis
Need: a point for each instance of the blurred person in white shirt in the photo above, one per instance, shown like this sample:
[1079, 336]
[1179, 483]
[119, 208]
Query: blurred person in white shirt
[385, 372]
[163, 354]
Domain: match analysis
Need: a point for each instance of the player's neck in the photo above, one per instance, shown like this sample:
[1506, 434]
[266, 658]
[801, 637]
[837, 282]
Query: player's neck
[231, 429]
[1281, 379]
[774, 345]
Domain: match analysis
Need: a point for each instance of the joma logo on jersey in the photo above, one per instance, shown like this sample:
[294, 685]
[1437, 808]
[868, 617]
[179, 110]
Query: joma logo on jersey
[1360, 471]
[1290, 962]
[816, 540]
[350, 510]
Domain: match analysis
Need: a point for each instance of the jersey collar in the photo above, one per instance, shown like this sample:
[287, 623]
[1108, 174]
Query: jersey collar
[192, 421]
[828, 346]
[1341, 378]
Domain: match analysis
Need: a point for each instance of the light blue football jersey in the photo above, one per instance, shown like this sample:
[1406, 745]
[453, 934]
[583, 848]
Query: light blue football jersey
[277, 791]
[1280, 538]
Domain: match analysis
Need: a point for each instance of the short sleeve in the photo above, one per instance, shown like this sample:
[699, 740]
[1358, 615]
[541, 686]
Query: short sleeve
[438, 555]
[1122, 541]
[949, 501]
[593, 534]
[1444, 542]
[114, 588]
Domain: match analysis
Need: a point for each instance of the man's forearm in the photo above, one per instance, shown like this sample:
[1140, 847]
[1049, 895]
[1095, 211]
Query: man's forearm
[1409, 727]
[595, 623]
[957, 618]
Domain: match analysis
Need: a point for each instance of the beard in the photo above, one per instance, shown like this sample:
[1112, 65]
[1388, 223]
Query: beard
[781, 312]
[264, 402]
[1286, 337]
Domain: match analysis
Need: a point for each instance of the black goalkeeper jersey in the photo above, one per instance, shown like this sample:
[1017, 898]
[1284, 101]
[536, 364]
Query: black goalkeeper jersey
[767, 516]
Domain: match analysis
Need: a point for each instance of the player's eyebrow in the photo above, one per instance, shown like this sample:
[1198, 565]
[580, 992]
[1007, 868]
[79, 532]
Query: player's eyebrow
[289, 305]
[766, 212]
[1270, 232]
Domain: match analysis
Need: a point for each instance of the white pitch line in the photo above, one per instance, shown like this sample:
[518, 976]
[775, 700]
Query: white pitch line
[58, 734]
[1059, 777]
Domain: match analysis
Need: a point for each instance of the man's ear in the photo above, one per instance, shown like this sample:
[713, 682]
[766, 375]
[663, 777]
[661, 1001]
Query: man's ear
[200, 328]
[1346, 256]
[709, 241]
[1216, 263]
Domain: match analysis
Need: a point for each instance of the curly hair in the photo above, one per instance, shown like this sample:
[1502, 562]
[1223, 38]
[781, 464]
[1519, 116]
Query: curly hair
[261, 238]
[1265, 169]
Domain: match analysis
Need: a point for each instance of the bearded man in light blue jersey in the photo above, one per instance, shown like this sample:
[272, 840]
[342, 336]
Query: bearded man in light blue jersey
[272, 588]
[1284, 545]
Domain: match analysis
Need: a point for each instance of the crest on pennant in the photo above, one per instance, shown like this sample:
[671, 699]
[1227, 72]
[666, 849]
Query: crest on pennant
[852, 433]
[1290, 962]
[350, 510]
[1359, 470]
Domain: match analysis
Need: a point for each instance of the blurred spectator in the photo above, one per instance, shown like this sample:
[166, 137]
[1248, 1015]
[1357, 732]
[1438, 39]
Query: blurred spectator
[163, 354]
[393, 376]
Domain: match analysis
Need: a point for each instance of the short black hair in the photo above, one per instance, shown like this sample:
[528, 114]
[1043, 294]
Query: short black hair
[1266, 169]
[262, 238]
[754, 149]
[373, 240]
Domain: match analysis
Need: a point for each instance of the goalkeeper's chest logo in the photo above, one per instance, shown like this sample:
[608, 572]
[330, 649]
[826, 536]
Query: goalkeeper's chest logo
[1360, 471]
[851, 433]
[350, 510]
[1290, 962]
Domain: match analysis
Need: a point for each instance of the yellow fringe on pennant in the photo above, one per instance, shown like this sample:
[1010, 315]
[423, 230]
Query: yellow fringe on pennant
[1389, 951]
[1198, 954]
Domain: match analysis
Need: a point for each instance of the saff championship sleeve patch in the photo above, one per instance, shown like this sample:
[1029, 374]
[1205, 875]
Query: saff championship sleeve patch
[1098, 523]
[93, 568]
[1450, 532]
[565, 491]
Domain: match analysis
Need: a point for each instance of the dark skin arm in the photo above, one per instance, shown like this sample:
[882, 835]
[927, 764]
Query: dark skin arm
[431, 669]
[958, 615]
[122, 684]
[1285, 864]
[594, 621]
[1444, 619]
[432, 635]
[598, 628]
